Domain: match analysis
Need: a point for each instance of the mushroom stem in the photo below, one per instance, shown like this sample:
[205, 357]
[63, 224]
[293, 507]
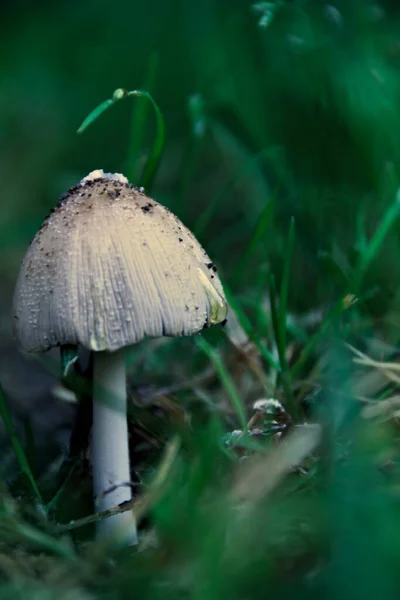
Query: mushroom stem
[110, 449]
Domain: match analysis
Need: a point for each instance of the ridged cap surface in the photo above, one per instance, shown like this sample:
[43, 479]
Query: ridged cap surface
[110, 266]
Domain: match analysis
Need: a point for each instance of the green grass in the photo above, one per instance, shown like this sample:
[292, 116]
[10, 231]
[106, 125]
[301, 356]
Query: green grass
[276, 141]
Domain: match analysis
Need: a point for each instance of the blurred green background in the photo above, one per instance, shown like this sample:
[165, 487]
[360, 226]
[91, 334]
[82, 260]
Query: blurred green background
[273, 111]
[293, 103]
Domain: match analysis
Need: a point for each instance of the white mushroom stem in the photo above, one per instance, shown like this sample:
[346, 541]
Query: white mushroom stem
[110, 450]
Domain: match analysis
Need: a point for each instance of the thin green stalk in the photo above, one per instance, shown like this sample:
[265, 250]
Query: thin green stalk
[154, 157]
[43, 541]
[284, 370]
[250, 163]
[279, 316]
[247, 327]
[275, 322]
[327, 322]
[261, 319]
[257, 235]
[30, 444]
[139, 123]
[54, 501]
[226, 380]
[333, 271]
[372, 249]
[17, 447]
[284, 292]
[198, 128]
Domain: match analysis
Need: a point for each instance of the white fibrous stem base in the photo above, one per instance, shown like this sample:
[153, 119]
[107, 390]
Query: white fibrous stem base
[110, 449]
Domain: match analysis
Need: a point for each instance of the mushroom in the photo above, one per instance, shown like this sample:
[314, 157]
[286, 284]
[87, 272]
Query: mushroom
[107, 268]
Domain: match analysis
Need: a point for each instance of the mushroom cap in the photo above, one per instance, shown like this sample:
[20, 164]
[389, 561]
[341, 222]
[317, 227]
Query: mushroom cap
[110, 266]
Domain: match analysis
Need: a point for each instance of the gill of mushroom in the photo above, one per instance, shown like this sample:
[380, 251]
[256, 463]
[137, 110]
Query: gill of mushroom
[109, 267]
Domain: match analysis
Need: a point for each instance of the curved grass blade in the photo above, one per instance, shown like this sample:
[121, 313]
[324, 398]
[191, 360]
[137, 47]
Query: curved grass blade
[138, 124]
[157, 149]
[95, 114]
[154, 157]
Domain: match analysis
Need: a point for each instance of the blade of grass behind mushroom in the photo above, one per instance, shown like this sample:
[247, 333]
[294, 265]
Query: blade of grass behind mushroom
[249, 330]
[256, 239]
[226, 380]
[323, 329]
[157, 148]
[279, 320]
[198, 128]
[247, 173]
[138, 127]
[281, 346]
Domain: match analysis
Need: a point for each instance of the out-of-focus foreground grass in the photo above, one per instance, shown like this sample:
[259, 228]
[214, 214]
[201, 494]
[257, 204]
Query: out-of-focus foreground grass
[283, 157]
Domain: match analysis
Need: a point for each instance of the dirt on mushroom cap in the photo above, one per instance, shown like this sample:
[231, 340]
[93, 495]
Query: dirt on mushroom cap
[110, 266]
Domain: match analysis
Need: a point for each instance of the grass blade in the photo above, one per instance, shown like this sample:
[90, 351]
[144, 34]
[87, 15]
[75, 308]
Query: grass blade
[154, 157]
[274, 314]
[258, 233]
[333, 271]
[328, 322]
[283, 297]
[138, 124]
[198, 127]
[372, 249]
[16, 445]
[157, 149]
[284, 370]
[248, 172]
[247, 327]
[95, 114]
[226, 380]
